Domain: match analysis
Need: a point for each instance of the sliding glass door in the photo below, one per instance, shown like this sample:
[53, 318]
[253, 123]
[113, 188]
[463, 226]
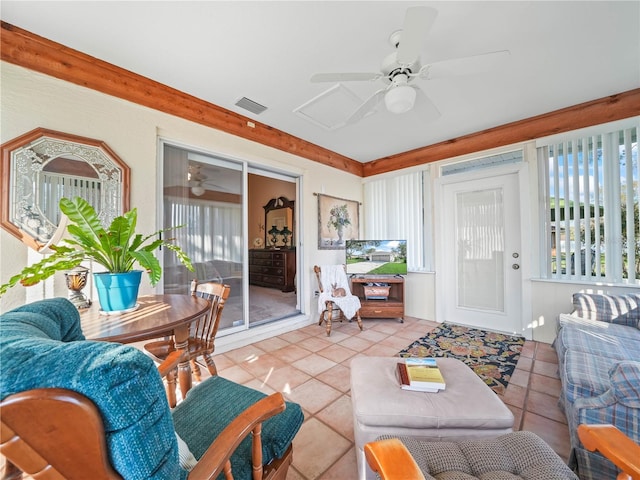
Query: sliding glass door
[205, 195]
[211, 198]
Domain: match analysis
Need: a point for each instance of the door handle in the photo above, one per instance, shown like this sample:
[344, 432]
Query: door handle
[515, 266]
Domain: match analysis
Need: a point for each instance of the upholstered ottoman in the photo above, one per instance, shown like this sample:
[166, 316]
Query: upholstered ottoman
[465, 410]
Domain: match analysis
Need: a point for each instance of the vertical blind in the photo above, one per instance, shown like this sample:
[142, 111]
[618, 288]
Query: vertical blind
[591, 207]
[395, 210]
[211, 230]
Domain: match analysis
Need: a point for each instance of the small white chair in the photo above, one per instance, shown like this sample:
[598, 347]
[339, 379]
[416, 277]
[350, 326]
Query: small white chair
[330, 278]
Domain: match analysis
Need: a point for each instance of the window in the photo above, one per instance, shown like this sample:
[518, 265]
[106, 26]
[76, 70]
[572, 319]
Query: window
[590, 213]
[400, 208]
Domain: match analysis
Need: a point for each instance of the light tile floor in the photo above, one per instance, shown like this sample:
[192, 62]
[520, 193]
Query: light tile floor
[313, 370]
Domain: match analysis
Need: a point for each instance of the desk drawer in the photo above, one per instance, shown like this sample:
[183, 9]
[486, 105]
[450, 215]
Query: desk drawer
[382, 311]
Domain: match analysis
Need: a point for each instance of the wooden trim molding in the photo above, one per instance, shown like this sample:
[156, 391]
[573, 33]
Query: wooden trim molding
[603, 110]
[37, 53]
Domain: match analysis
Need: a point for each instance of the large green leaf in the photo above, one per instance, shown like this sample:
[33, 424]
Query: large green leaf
[184, 259]
[120, 232]
[85, 218]
[63, 258]
[150, 263]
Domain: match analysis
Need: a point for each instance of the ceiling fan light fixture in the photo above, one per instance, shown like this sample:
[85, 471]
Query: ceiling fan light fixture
[400, 99]
[197, 190]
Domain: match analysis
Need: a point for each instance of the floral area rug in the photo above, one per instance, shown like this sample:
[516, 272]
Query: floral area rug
[492, 356]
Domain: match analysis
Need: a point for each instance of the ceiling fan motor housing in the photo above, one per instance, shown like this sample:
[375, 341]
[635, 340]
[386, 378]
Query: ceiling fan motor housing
[391, 68]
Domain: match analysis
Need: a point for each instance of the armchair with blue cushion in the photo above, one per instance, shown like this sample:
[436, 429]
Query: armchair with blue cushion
[72, 408]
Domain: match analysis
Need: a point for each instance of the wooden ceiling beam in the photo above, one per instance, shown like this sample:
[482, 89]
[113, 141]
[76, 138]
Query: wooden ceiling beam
[603, 110]
[37, 53]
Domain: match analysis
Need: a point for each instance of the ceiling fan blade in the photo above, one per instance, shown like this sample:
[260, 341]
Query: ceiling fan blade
[457, 67]
[368, 105]
[425, 108]
[344, 77]
[417, 23]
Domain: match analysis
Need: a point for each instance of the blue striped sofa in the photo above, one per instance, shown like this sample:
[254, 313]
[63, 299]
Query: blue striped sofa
[598, 347]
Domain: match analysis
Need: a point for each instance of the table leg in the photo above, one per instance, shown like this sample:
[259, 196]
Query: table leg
[181, 339]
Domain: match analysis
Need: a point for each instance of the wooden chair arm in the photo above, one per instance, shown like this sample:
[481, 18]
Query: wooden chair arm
[615, 445]
[391, 460]
[171, 362]
[214, 460]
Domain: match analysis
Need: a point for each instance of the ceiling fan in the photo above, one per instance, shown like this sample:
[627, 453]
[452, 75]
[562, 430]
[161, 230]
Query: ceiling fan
[402, 67]
[197, 181]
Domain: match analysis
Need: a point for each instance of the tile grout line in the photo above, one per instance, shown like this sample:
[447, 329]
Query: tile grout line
[526, 392]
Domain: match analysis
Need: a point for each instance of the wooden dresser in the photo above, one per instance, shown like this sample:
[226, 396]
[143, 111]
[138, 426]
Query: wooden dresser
[273, 268]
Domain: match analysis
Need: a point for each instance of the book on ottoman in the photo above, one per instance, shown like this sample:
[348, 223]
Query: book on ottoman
[421, 374]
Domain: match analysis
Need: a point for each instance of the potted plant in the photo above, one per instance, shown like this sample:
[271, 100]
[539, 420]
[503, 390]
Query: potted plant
[117, 248]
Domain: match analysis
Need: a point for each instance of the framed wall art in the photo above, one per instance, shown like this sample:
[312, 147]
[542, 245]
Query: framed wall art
[338, 221]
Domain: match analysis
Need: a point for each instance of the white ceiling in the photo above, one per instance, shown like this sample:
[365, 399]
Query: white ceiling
[561, 54]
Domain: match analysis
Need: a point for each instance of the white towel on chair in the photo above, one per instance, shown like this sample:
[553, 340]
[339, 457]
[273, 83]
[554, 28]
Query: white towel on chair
[335, 274]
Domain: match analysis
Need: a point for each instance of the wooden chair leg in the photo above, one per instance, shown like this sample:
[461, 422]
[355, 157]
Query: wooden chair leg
[359, 320]
[195, 370]
[211, 365]
[329, 316]
[171, 388]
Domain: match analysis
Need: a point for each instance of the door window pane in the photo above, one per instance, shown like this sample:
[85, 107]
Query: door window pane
[480, 249]
[204, 194]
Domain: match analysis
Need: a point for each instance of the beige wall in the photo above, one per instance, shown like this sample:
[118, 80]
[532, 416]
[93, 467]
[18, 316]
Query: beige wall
[30, 100]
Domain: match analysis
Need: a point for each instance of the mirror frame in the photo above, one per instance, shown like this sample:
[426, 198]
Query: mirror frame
[279, 203]
[24, 157]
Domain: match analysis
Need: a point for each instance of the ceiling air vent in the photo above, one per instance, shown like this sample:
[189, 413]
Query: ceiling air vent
[253, 107]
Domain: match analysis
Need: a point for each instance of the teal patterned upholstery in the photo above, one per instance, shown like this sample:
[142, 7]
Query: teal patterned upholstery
[227, 399]
[42, 346]
[122, 382]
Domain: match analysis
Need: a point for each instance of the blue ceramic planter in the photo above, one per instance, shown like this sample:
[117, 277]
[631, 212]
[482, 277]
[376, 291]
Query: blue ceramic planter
[117, 291]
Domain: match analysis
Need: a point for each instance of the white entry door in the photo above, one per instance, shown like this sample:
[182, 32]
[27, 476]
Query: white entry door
[480, 253]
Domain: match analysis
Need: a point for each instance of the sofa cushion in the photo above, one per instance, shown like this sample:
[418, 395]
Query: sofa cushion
[206, 272]
[620, 309]
[585, 375]
[598, 338]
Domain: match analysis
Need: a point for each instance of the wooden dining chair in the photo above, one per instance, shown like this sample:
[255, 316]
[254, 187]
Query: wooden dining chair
[201, 337]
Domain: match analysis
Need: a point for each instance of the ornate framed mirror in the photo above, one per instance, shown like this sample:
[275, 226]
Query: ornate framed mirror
[279, 231]
[42, 166]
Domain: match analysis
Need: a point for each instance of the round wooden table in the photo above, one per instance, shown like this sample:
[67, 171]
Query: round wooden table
[157, 316]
